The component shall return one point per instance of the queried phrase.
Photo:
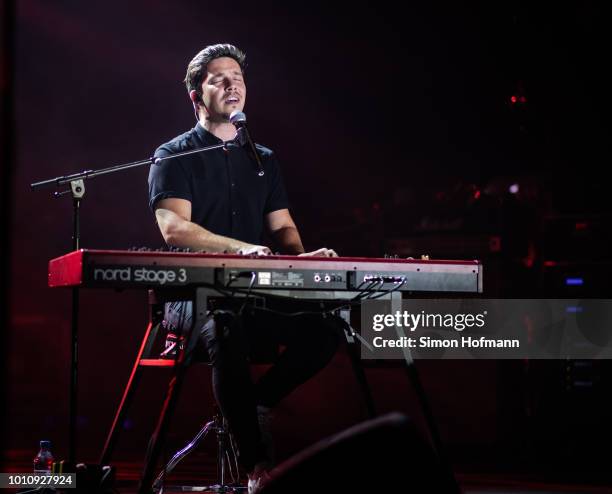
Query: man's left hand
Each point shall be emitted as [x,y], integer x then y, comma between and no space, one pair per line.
[323,252]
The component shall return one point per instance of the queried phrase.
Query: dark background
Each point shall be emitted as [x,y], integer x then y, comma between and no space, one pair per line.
[397,134]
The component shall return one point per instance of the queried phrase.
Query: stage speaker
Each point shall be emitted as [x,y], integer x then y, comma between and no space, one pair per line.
[383,453]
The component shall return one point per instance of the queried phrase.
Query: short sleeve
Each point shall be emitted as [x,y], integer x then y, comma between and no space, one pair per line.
[277,195]
[168,180]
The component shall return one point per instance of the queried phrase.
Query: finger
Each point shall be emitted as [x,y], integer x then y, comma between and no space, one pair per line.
[332,253]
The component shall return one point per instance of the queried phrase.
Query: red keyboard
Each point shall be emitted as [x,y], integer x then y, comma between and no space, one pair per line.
[152,269]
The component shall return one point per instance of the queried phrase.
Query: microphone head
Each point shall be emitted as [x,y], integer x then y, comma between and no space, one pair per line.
[238,118]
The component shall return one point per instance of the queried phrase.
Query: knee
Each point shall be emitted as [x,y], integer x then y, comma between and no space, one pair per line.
[223,337]
[224,325]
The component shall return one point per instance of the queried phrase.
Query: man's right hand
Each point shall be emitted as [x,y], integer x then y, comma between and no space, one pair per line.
[323,252]
[259,250]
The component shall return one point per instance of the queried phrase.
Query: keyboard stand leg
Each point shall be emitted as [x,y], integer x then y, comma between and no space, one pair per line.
[354,353]
[155,318]
[415,381]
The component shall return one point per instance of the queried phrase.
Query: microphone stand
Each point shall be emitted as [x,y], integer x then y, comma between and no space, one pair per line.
[77,190]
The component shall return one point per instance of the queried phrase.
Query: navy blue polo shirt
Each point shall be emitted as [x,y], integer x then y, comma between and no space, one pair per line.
[227,195]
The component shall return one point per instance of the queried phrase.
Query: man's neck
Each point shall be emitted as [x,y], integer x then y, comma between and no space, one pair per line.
[223,130]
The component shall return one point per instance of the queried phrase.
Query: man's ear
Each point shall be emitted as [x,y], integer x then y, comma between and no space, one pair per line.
[197,102]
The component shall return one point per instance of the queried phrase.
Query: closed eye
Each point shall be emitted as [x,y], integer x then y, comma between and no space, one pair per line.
[215,82]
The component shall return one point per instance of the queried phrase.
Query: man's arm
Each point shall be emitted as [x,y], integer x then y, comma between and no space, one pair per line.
[174,221]
[281,226]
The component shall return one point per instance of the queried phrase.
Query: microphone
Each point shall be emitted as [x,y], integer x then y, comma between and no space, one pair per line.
[238,119]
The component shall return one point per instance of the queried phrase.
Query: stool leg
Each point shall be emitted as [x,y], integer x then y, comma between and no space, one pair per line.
[226,453]
[180,454]
[232,457]
[221,440]
[226,450]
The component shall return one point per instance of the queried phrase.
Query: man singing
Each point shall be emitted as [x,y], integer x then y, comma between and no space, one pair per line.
[217,201]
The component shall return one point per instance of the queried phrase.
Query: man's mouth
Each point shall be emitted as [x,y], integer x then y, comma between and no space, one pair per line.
[232,99]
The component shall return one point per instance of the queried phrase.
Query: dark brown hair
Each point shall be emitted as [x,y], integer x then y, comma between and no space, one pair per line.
[196,70]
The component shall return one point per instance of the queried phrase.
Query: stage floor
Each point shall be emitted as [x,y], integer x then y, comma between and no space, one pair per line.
[200,470]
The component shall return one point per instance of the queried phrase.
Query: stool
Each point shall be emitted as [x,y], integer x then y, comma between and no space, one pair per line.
[227,458]
[226,461]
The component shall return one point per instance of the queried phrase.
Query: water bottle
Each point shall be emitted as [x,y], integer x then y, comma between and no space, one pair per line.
[44,459]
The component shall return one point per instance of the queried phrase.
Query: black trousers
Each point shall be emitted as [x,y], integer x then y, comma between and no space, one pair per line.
[234,338]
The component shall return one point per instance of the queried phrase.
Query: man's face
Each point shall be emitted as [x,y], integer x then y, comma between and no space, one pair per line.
[223,89]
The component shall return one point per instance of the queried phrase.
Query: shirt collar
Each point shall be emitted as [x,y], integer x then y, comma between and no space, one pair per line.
[205,136]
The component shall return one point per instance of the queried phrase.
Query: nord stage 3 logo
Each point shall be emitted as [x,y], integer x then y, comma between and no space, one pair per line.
[149,275]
